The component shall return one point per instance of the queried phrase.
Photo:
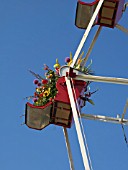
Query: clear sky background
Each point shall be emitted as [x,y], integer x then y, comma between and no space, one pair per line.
[33,33]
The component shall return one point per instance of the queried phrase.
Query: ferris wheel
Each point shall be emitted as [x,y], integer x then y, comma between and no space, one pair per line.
[60,97]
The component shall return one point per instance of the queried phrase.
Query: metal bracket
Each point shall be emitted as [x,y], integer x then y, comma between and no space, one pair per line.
[125,6]
[122,28]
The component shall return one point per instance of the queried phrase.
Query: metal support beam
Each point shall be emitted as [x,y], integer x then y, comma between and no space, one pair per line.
[122,28]
[117,120]
[92,45]
[77,124]
[113,80]
[84,77]
[68,149]
[87,32]
[124,111]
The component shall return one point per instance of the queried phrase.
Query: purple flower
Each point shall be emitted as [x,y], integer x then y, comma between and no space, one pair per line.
[34,99]
[67,60]
[35,81]
[39,84]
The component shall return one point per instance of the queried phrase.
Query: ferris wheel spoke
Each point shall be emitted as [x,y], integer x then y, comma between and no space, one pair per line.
[124,111]
[92,45]
[87,32]
[120,27]
[68,148]
[77,124]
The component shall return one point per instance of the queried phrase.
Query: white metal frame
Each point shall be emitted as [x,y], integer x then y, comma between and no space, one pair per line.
[102,79]
[92,44]
[88,78]
[70,92]
[117,120]
[68,148]
[87,32]
[84,77]
[77,124]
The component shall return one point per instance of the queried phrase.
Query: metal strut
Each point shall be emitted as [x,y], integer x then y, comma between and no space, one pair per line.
[70,91]
[105,119]
[92,44]
[113,80]
[68,149]
[87,32]
[77,124]
[124,111]
[120,27]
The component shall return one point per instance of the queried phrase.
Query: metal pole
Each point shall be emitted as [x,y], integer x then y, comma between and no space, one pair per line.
[77,124]
[125,109]
[92,45]
[122,28]
[113,80]
[105,119]
[87,32]
[68,148]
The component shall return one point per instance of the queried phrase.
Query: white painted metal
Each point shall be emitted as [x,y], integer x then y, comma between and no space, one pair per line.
[92,44]
[77,124]
[87,32]
[125,109]
[82,76]
[68,149]
[105,119]
[113,80]
[65,69]
[82,127]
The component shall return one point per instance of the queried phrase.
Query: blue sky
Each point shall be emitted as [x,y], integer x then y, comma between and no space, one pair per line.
[36,32]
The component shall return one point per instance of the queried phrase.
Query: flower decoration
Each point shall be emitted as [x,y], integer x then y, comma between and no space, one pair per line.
[46,90]
[67,60]
[57,65]
[35,81]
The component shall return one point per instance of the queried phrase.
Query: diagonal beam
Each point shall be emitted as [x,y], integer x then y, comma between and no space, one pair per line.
[125,109]
[87,32]
[68,148]
[92,45]
[120,27]
[77,124]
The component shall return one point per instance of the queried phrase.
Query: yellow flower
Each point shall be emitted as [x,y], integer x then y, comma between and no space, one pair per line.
[36,103]
[57,65]
[46,92]
[38,89]
[49,76]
